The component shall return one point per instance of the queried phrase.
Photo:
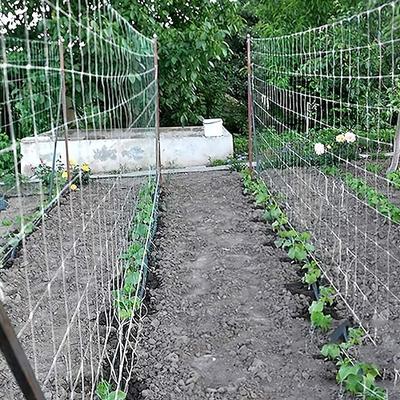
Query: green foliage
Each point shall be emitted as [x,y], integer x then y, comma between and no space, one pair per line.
[59,177]
[394,178]
[126,300]
[331,170]
[7,158]
[6,222]
[276,217]
[319,319]
[331,351]
[275,18]
[297,244]
[217,162]
[359,379]
[374,168]
[373,197]
[292,148]
[240,145]
[193,42]
[313,272]
[105,392]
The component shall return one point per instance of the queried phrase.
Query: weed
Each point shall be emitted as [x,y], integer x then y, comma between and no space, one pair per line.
[6,222]
[394,178]
[216,162]
[374,168]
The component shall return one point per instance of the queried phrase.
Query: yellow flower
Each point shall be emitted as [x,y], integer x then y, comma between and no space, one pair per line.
[65,175]
[72,163]
[73,187]
[340,138]
[85,167]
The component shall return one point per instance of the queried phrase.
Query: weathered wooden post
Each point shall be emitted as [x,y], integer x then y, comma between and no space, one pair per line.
[64,106]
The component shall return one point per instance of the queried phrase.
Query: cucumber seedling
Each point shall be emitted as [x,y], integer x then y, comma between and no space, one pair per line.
[105,392]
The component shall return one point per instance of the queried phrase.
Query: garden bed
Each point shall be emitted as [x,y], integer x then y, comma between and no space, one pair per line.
[65,274]
[223,323]
[359,250]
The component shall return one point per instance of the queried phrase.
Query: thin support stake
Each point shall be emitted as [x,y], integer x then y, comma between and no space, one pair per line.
[64,107]
[16,359]
[249,105]
[157,114]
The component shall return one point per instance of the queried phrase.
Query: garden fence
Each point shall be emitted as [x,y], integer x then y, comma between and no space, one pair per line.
[326,109]
[74,70]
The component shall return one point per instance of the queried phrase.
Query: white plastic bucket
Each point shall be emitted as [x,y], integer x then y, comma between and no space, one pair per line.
[213,127]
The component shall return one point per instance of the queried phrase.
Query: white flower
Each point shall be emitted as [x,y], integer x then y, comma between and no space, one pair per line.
[319,148]
[350,137]
[82,44]
[340,138]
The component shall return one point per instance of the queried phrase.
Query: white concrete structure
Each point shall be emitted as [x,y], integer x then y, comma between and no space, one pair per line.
[133,150]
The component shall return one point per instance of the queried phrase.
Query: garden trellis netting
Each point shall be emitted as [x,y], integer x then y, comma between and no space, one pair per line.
[73,248]
[326,109]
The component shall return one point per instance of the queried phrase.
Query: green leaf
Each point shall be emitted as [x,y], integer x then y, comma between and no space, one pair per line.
[117,395]
[103,389]
[331,351]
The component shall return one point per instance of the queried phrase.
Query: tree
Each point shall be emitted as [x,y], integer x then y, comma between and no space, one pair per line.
[193,39]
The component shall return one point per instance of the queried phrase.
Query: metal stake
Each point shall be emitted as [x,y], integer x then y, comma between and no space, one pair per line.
[16,359]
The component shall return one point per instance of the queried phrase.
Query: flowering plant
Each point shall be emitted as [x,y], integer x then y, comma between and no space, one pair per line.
[341,146]
[45,173]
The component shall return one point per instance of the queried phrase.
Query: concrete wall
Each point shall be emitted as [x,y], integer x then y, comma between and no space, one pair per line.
[133,150]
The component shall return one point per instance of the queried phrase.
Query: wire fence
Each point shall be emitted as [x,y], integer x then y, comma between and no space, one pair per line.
[74,249]
[326,117]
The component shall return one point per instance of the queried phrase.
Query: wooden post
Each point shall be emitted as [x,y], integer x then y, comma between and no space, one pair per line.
[249,105]
[64,106]
[157,111]
[16,359]
[396,149]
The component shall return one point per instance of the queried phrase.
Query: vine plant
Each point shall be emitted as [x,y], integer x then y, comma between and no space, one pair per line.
[356,377]
[363,191]
[127,300]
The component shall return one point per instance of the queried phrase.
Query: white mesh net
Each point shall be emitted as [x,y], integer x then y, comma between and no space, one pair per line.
[78,94]
[326,112]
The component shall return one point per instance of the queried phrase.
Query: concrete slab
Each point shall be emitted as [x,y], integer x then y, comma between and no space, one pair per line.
[129,150]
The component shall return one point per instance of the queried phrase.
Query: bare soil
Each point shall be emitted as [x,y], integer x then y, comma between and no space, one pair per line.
[223,324]
[359,250]
[63,276]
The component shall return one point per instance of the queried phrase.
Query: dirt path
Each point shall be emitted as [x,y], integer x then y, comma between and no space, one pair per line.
[222,325]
